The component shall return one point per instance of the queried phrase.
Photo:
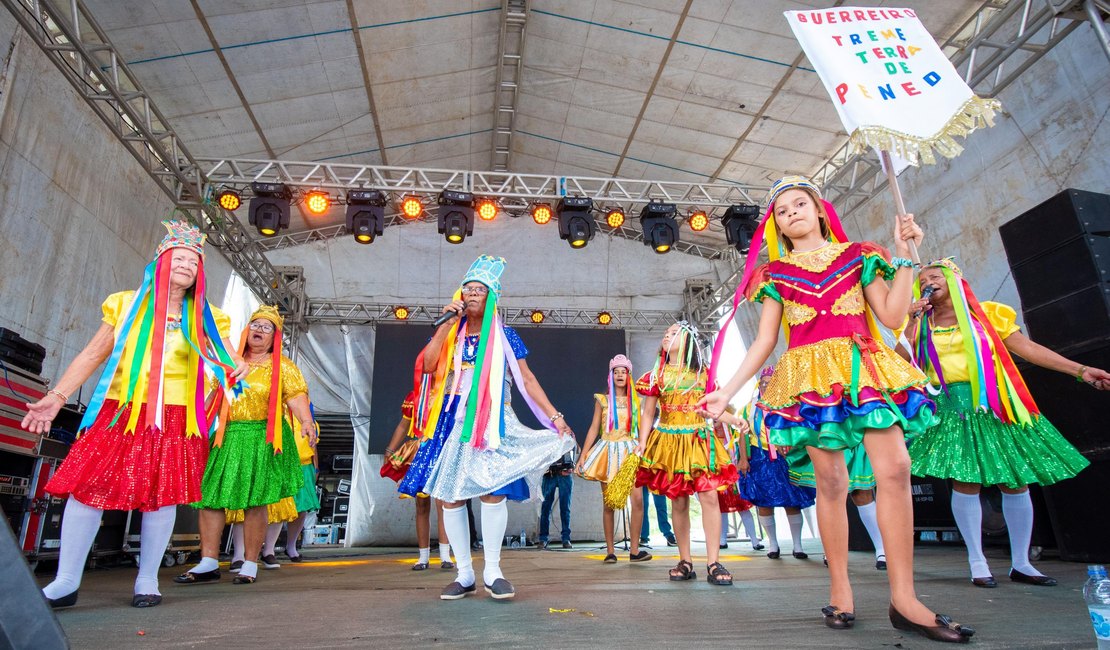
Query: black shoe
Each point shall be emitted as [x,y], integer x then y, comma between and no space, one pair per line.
[236,566]
[671,541]
[146,600]
[880,563]
[644,541]
[946,630]
[724,546]
[446,565]
[837,619]
[294,558]
[987,583]
[567,544]
[611,559]
[194,577]
[642,556]
[1040,581]
[68,600]
[501,589]
[243,580]
[270,562]
[758,547]
[774,555]
[420,566]
[799,555]
[455,591]
[475,546]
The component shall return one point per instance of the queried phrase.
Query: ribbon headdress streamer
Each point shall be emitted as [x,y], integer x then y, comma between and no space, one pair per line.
[274,409]
[995,380]
[633,412]
[140,338]
[484,423]
[768,231]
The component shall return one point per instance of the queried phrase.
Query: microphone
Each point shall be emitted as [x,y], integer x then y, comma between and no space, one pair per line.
[925,293]
[446,316]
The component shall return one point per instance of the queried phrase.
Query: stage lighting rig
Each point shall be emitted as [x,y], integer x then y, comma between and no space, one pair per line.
[229,199]
[269,209]
[411,207]
[740,222]
[365,214]
[698,220]
[660,228]
[317,202]
[604,318]
[456,215]
[615,218]
[576,224]
[541,213]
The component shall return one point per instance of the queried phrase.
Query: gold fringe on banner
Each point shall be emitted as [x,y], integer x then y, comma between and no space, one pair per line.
[621,485]
[976,112]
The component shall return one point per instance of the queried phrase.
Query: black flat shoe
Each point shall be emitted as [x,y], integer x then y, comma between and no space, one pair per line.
[987,583]
[798,555]
[642,556]
[774,555]
[243,580]
[837,619]
[946,630]
[420,566]
[68,600]
[610,559]
[146,600]
[446,565]
[880,563]
[1040,581]
[192,577]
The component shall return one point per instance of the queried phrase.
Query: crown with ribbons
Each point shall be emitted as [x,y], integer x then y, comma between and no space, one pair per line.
[487,269]
[182,234]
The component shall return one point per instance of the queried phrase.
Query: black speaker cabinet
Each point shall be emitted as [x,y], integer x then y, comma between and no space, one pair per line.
[1081,526]
[1068,215]
[1078,411]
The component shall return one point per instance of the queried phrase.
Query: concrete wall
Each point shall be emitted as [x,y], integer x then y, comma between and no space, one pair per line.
[79,218]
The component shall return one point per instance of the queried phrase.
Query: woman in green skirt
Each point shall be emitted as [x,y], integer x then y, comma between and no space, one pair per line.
[990,431]
[254,460]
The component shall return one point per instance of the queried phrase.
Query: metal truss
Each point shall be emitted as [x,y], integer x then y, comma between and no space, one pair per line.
[510,55]
[74,42]
[990,50]
[368,313]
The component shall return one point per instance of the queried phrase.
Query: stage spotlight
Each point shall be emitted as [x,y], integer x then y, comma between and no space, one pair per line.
[487,209]
[456,215]
[411,207]
[401,312]
[615,218]
[317,202]
[740,222]
[604,318]
[229,199]
[698,221]
[365,214]
[576,224]
[269,209]
[541,213]
[537,316]
[660,228]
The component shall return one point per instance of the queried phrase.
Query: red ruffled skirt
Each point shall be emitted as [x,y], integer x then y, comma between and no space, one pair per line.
[731,501]
[112,470]
[680,464]
[397,465]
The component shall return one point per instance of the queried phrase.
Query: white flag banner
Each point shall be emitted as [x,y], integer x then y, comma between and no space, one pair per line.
[890,82]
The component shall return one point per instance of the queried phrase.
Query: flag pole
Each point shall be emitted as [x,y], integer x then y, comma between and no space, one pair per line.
[899,205]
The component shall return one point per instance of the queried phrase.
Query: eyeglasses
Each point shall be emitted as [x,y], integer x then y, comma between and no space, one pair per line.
[476,289]
[262,327]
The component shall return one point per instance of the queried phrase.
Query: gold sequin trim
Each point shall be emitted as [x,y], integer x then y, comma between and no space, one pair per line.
[797,313]
[976,112]
[850,303]
[816,260]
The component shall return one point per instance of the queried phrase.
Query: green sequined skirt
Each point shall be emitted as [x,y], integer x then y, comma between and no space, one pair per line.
[860,474]
[246,473]
[976,447]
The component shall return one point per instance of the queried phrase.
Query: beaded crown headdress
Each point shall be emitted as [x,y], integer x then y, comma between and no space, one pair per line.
[182,234]
[487,269]
[270,313]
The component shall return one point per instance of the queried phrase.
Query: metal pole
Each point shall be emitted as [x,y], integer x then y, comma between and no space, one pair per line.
[1096,22]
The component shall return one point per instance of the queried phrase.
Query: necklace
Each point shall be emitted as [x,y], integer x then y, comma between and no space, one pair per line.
[470,348]
[173,322]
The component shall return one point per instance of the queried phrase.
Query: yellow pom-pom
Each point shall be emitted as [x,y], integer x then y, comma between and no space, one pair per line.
[621,485]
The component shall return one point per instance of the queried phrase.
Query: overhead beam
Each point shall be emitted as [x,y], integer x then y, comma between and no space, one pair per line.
[510,67]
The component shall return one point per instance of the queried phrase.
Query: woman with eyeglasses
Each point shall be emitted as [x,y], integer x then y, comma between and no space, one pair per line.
[254,460]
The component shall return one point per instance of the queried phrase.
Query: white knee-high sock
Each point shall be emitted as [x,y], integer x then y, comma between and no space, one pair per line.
[273,531]
[796,530]
[80,523]
[238,543]
[1018,511]
[768,523]
[154,537]
[444,552]
[724,528]
[867,513]
[495,517]
[458,529]
[423,555]
[969,520]
[749,527]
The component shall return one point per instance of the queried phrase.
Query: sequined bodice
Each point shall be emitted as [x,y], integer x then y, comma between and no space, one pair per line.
[679,393]
[822,292]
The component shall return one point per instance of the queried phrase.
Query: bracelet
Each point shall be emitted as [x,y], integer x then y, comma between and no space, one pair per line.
[901,262]
[1079,375]
[59,394]
[555,417]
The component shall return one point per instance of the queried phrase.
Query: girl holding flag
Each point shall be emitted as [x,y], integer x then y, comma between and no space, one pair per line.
[837,385]
[990,431]
[617,414]
[144,442]
[478,447]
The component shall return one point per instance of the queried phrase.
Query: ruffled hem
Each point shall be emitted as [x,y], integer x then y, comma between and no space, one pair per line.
[306,498]
[842,425]
[860,474]
[674,486]
[976,447]
[767,484]
[276,513]
[246,473]
[395,473]
[731,501]
[109,469]
[605,459]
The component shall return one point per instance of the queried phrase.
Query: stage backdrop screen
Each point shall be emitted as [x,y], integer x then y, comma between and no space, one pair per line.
[570,364]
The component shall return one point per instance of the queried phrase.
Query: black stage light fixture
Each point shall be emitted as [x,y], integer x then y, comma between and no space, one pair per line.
[740,222]
[456,215]
[365,214]
[660,228]
[269,209]
[576,224]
